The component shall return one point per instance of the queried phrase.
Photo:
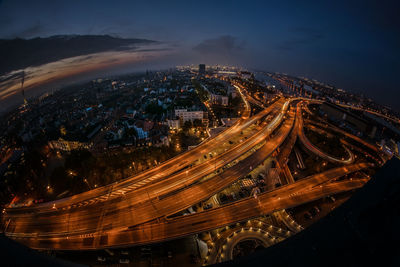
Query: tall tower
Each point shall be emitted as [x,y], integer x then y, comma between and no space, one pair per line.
[23,95]
[202,69]
[22,87]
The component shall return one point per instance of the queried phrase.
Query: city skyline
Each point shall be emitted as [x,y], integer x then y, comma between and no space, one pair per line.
[199,133]
[129,169]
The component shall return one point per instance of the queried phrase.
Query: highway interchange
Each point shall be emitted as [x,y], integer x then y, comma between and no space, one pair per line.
[138,210]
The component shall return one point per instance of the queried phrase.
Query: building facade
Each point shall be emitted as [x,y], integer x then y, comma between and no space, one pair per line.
[65,145]
[189,115]
[219,99]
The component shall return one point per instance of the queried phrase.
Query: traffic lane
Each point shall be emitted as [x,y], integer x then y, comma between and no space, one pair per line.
[289,143]
[319,152]
[166,168]
[195,223]
[88,221]
[146,194]
[318,179]
[149,210]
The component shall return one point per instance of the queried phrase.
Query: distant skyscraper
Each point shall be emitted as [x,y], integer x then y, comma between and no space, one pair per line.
[202,68]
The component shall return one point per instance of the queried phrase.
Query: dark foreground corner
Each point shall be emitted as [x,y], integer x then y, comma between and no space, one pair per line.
[15,254]
[364,231]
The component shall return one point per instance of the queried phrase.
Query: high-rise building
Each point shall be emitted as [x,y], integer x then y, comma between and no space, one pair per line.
[202,68]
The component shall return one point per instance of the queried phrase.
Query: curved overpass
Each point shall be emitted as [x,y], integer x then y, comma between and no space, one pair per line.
[312,148]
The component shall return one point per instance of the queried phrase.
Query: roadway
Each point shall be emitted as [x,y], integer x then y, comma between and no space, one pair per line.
[287,147]
[325,125]
[312,148]
[137,210]
[169,167]
[303,191]
[129,211]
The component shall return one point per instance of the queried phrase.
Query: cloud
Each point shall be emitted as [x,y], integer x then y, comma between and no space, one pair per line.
[225,44]
[32,31]
[301,36]
[80,68]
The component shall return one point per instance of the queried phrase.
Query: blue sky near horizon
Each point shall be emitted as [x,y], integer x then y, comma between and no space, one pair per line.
[350,44]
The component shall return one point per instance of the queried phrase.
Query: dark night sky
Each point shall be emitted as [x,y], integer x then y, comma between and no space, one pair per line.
[351,44]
